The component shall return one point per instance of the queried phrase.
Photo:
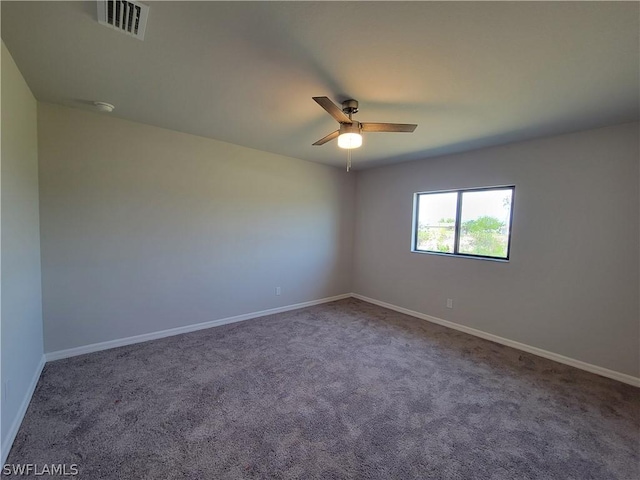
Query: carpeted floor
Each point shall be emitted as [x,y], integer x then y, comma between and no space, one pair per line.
[341,390]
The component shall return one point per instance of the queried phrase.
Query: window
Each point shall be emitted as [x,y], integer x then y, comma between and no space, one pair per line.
[472,222]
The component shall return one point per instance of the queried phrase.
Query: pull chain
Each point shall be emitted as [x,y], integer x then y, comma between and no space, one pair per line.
[349,150]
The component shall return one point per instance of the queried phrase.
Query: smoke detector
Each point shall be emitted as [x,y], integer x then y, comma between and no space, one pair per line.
[104,107]
[129,17]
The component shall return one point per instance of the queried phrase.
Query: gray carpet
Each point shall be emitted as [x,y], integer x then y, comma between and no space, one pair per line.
[342,390]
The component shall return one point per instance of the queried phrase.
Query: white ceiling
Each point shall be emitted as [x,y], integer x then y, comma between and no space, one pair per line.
[469,74]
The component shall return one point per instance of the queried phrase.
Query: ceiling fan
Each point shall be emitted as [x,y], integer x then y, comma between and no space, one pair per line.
[350,132]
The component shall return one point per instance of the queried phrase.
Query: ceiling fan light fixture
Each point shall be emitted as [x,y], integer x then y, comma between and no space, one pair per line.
[350,140]
[350,136]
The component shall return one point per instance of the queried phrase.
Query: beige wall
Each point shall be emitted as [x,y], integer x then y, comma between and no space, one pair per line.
[571,286]
[145,229]
[21,310]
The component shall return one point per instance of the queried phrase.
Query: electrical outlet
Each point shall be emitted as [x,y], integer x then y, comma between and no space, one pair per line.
[278,291]
[449,303]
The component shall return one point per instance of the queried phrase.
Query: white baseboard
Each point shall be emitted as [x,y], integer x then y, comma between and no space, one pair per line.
[121,342]
[96,347]
[605,372]
[17,421]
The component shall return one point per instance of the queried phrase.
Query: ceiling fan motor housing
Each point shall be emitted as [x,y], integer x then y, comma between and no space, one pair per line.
[350,128]
[350,106]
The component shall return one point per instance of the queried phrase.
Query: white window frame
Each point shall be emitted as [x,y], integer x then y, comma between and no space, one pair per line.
[457,224]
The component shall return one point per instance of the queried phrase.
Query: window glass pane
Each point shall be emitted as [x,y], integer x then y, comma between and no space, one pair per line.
[436,222]
[485,223]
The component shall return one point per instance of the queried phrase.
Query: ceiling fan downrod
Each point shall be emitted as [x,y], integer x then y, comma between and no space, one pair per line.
[350,107]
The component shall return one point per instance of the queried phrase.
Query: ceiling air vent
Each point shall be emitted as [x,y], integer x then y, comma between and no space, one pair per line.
[125,16]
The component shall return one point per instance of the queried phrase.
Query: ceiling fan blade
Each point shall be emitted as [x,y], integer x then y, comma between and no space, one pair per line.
[388,127]
[328,138]
[332,109]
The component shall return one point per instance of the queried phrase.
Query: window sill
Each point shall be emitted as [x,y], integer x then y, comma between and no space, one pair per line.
[457,255]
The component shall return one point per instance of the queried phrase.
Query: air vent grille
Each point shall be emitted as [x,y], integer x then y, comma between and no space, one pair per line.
[125,16]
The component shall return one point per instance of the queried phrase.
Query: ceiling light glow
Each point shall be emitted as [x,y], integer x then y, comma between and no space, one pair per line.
[350,135]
